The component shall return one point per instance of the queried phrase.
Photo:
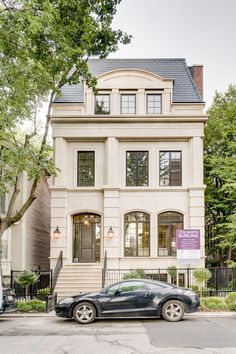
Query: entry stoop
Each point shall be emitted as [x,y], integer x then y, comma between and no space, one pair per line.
[77,278]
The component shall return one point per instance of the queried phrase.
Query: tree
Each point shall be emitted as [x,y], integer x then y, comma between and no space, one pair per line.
[44,44]
[220,176]
[27,278]
[201,276]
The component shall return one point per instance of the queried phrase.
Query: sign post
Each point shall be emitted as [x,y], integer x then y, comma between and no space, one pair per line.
[188,245]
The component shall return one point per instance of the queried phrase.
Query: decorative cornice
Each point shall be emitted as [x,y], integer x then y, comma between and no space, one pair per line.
[131,119]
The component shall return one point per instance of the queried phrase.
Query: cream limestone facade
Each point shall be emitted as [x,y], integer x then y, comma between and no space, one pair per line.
[75,127]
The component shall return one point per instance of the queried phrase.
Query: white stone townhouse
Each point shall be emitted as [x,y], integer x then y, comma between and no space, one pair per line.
[131,168]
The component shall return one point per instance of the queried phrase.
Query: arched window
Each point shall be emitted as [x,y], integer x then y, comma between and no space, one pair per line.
[137,231]
[168,223]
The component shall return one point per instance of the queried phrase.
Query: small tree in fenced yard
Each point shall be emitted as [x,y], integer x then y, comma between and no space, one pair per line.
[172,271]
[201,275]
[25,279]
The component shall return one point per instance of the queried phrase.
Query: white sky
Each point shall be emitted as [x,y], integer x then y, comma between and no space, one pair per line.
[202,31]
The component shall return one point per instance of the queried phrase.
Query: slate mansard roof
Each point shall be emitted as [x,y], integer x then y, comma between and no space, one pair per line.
[184,88]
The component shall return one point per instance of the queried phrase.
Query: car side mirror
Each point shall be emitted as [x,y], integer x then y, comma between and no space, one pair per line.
[118,292]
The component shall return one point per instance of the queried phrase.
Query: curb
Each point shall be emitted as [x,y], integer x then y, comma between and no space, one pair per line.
[191,315]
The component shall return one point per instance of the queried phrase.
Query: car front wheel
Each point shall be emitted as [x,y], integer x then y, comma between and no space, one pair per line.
[173,311]
[84,313]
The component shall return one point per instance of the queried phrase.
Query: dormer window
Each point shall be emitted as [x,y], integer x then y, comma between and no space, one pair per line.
[102,104]
[128,104]
[153,104]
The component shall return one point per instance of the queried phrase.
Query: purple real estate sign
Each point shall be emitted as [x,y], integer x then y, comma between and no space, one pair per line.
[188,244]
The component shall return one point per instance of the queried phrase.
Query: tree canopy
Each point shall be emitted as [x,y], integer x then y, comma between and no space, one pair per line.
[44,44]
[220,176]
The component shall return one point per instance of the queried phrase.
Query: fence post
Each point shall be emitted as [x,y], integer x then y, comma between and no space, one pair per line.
[188,282]
[217,278]
[51,280]
[11,278]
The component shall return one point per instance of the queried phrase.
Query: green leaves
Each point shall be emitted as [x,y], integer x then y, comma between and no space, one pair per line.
[220,173]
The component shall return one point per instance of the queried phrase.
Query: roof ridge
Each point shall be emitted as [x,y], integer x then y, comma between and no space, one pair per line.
[138,59]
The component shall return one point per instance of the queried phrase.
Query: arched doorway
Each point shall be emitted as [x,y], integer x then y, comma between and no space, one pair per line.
[86,238]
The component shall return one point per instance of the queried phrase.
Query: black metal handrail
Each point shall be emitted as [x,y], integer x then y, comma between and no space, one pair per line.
[104,269]
[57,269]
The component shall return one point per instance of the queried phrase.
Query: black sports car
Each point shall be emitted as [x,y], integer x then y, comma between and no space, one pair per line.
[130,298]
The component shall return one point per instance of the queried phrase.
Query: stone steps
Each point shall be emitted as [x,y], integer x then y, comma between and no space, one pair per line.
[75,279]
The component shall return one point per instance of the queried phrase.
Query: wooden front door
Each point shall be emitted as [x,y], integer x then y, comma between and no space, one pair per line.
[87,243]
[84,243]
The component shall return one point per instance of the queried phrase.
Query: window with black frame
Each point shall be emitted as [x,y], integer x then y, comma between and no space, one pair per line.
[168,223]
[128,104]
[102,104]
[170,168]
[153,104]
[137,234]
[137,168]
[86,169]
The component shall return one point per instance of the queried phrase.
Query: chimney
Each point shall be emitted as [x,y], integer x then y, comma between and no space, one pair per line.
[197,74]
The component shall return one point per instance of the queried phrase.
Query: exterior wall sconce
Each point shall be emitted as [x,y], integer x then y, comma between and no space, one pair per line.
[110,233]
[56,233]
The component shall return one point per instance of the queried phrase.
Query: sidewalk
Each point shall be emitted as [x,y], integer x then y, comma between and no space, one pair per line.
[190,315]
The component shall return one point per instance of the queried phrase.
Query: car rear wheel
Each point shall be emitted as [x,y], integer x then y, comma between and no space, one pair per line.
[173,311]
[84,313]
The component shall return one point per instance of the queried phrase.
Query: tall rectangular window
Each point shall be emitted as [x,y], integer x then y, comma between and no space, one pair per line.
[102,104]
[153,104]
[170,168]
[86,168]
[128,104]
[137,168]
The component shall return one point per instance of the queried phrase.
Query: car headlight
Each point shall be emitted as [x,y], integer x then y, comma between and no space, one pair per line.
[67,300]
[191,294]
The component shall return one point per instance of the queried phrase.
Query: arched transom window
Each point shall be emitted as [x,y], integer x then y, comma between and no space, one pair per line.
[137,234]
[168,223]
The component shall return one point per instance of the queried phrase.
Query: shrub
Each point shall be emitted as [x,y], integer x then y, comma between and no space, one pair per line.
[42,293]
[232,284]
[31,305]
[214,303]
[205,291]
[231,301]
[135,274]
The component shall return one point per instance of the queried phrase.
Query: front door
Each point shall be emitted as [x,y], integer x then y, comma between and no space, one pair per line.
[86,238]
[87,243]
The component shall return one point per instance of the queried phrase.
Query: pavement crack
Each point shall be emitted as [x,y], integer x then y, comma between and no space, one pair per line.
[116,343]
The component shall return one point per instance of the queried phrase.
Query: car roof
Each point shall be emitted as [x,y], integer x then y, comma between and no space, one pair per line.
[151,281]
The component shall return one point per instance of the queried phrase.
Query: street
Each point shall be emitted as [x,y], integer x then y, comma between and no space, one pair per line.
[48,335]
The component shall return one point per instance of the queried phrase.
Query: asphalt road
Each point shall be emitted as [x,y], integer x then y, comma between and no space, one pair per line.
[44,335]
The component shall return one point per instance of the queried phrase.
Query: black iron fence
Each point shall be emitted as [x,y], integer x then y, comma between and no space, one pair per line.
[222,282]
[34,291]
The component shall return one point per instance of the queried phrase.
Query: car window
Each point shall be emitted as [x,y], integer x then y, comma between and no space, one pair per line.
[130,286]
[112,289]
[152,286]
